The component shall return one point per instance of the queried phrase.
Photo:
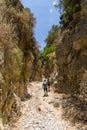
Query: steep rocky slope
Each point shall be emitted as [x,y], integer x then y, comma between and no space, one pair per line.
[71,53]
[18,54]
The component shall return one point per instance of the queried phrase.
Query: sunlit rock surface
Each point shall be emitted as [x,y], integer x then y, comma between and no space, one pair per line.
[71,53]
[18,53]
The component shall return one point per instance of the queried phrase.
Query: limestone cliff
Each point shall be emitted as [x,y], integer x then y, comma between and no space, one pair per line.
[71,53]
[18,53]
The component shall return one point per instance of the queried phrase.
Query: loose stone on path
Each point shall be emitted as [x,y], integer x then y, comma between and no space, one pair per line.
[39,114]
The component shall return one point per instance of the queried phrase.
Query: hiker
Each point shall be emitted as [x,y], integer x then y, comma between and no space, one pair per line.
[45,86]
[48,82]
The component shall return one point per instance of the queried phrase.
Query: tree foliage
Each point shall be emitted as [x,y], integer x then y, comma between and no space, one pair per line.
[47,50]
[69,8]
[50,42]
[52,35]
[18,38]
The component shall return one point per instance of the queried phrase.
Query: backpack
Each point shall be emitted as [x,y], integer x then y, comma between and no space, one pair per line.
[45,84]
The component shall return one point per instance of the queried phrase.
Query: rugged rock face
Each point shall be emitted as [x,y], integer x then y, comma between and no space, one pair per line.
[71,53]
[18,53]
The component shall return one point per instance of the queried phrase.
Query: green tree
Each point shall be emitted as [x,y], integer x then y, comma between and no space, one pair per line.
[52,35]
[51,41]
[69,8]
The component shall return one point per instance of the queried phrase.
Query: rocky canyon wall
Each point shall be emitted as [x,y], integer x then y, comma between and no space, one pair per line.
[71,53]
[18,53]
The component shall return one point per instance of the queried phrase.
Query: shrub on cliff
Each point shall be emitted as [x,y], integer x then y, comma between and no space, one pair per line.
[13,58]
[69,8]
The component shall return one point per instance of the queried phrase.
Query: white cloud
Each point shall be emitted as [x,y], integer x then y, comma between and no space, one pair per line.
[54,3]
[51,10]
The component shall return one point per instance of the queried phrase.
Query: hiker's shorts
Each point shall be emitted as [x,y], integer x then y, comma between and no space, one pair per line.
[45,88]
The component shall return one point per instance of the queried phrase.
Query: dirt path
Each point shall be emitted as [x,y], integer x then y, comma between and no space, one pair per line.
[41,113]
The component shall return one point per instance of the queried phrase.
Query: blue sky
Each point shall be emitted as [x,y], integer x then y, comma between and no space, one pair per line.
[46,15]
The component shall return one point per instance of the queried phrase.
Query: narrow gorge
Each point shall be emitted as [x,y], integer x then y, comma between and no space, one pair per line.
[22,66]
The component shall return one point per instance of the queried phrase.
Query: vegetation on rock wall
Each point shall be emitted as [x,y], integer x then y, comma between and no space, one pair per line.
[71,54]
[68,9]
[18,54]
[19,61]
[48,53]
[22,23]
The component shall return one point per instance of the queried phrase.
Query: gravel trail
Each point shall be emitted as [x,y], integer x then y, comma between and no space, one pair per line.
[41,113]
